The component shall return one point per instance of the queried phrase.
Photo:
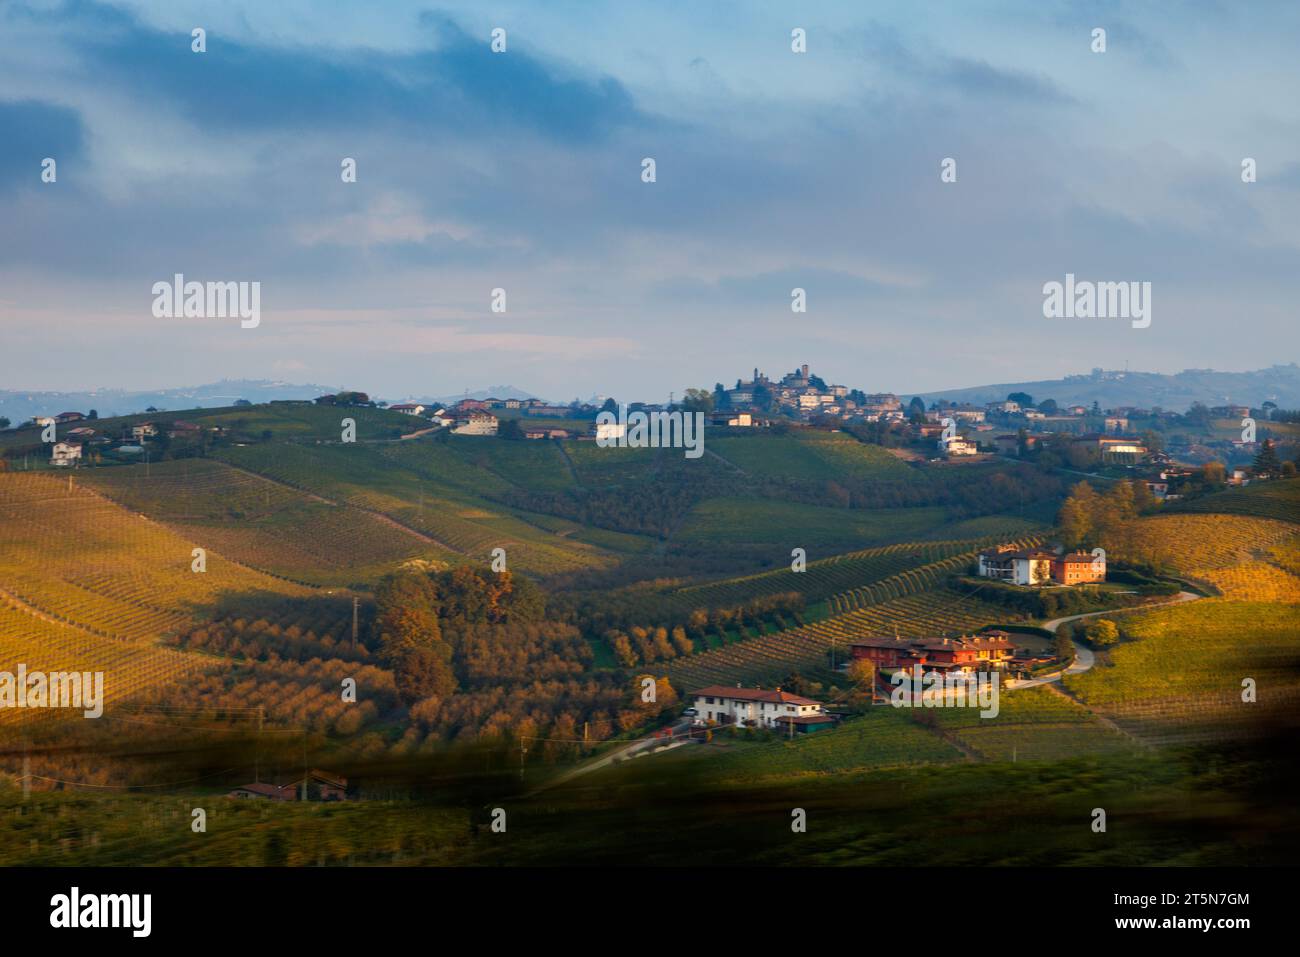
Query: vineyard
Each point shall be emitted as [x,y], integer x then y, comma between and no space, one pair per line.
[816,528]
[48,646]
[77,557]
[810,456]
[1189,543]
[845,579]
[1277,499]
[765,658]
[261,523]
[1180,678]
[1033,724]
[458,527]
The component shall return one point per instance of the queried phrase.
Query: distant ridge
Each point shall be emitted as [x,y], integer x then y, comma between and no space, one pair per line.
[1279,383]
[20,405]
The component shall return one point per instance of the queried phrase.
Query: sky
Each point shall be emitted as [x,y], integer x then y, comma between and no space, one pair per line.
[522,171]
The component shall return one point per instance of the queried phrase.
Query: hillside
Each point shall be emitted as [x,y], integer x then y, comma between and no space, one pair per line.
[1279,383]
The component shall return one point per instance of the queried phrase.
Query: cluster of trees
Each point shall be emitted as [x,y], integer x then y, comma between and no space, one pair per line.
[646,645]
[630,613]
[967,493]
[1089,518]
[423,621]
[1097,632]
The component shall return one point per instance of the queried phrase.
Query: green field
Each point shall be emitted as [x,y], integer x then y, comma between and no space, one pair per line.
[809,455]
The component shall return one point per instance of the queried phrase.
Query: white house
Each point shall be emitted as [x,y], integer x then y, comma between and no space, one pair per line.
[476,423]
[143,431]
[610,431]
[65,454]
[751,707]
[1030,566]
[959,446]
[407,408]
[734,419]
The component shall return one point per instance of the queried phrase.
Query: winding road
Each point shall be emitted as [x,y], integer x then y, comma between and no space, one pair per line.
[1084,658]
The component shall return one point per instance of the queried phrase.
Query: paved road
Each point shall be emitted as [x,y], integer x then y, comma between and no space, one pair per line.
[1084,659]
[678,727]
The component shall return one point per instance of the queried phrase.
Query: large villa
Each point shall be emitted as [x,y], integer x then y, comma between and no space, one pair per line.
[1041,566]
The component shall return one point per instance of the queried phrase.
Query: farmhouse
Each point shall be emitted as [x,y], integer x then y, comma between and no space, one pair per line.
[321,786]
[181,430]
[1114,448]
[1079,568]
[958,446]
[143,431]
[65,454]
[1025,566]
[476,423]
[407,408]
[733,419]
[980,652]
[754,707]
[1041,566]
[69,417]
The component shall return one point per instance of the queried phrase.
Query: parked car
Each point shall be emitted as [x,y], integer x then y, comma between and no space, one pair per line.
[690,713]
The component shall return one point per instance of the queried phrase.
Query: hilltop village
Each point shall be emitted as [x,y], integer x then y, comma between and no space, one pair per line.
[1174,453]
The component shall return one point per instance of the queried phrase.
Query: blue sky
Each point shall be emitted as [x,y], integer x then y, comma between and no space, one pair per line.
[522,171]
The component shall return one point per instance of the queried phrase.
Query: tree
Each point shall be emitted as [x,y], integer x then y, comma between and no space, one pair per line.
[1266,464]
[862,672]
[421,673]
[1048,407]
[1022,399]
[720,398]
[4,423]
[916,409]
[1198,415]
[1076,517]
[92,414]
[609,405]
[698,400]
[509,429]
[1103,632]
[1213,474]
[408,607]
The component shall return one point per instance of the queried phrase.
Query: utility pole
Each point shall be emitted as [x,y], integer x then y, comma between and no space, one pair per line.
[523,750]
[257,752]
[27,773]
[355,603]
